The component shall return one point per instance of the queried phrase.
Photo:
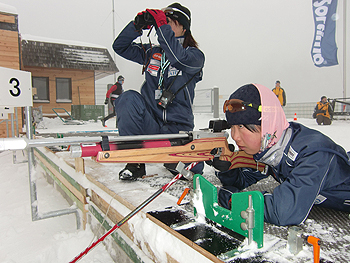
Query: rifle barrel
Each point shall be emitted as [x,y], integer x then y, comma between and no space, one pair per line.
[23,142]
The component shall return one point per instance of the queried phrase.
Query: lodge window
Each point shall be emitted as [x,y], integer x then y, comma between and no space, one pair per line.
[63,90]
[41,84]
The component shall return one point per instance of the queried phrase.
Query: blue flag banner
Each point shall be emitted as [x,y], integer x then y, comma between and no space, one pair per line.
[324,49]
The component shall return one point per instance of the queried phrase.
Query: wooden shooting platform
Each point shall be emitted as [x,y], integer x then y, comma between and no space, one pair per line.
[132,242]
[150,236]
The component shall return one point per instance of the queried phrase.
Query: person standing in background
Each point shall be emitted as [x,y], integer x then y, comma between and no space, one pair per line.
[280,93]
[111,95]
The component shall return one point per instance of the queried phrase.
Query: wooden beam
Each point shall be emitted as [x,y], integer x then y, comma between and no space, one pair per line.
[110,192]
[9,35]
[69,194]
[10,64]
[65,182]
[7,18]
[112,214]
[79,165]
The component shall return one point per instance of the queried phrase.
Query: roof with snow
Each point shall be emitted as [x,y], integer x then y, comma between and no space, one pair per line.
[8,9]
[6,23]
[51,53]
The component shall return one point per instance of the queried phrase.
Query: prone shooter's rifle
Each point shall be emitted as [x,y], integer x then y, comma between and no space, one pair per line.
[186,147]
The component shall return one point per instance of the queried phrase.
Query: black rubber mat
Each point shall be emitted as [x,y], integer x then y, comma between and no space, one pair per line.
[330,226]
[212,238]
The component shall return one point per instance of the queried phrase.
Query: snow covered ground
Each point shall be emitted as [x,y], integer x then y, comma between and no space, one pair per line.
[57,239]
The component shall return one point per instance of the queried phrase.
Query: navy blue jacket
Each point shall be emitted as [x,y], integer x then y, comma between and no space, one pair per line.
[311,170]
[188,61]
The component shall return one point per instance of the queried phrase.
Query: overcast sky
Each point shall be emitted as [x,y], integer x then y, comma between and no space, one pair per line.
[258,41]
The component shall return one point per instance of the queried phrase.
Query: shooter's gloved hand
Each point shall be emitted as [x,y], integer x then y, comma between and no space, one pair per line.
[159,17]
[225,195]
[106,101]
[143,20]
[218,164]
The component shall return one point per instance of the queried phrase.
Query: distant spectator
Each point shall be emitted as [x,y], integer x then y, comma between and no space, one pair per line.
[280,93]
[323,112]
[111,95]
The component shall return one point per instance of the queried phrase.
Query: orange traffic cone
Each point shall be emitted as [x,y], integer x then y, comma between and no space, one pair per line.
[295,117]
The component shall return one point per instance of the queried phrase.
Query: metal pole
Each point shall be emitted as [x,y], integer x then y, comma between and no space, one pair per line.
[32,182]
[60,213]
[114,75]
[16,118]
[7,128]
[344,50]
[216,108]
[23,143]
[12,125]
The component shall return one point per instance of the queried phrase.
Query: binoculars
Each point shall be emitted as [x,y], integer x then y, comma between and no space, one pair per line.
[143,20]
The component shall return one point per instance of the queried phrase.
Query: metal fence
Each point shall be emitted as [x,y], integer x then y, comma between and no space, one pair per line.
[210,101]
[302,110]
[305,110]
[207,101]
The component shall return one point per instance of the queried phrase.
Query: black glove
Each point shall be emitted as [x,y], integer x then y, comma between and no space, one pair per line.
[143,20]
[218,164]
[106,101]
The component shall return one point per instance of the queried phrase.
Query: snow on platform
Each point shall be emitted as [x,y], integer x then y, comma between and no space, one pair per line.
[142,237]
[329,225]
[153,241]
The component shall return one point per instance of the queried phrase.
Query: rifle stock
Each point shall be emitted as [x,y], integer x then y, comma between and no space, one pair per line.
[195,151]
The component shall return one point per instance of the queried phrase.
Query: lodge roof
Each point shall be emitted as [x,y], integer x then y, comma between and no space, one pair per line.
[50,53]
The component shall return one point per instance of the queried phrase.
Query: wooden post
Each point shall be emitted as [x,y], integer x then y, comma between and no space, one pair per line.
[79,165]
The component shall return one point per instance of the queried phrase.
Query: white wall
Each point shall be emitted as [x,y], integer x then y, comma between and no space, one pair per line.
[243,40]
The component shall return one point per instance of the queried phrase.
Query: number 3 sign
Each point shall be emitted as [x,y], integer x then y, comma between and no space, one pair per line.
[15,88]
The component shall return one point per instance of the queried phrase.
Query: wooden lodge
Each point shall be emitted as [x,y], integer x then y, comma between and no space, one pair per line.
[63,72]
[10,54]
